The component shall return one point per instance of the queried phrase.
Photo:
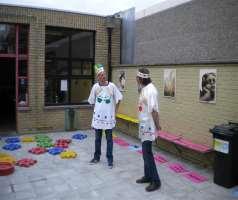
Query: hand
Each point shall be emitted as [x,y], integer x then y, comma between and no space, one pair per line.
[159,128]
[157,133]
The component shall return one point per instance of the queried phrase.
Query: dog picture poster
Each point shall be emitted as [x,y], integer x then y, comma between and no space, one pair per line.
[169,82]
[207,85]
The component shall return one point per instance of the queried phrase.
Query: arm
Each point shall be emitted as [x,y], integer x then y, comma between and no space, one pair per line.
[117,106]
[117,97]
[155,116]
[92,96]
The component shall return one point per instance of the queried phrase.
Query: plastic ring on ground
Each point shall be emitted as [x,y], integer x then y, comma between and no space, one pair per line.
[6,168]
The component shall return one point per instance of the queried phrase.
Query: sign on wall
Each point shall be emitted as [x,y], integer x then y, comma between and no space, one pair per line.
[169,82]
[207,85]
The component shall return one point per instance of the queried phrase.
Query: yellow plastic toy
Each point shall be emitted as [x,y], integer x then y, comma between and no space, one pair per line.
[4,157]
[28,139]
[68,154]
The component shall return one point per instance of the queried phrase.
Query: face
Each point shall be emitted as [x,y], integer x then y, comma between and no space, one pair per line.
[101,77]
[210,82]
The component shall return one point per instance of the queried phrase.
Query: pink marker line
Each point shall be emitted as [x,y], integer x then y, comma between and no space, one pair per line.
[160,159]
[195,177]
[120,142]
[177,168]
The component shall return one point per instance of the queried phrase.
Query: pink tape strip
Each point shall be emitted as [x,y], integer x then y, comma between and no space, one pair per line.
[121,142]
[139,151]
[160,159]
[177,168]
[195,177]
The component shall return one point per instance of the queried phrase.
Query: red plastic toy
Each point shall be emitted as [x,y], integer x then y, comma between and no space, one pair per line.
[26,162]
[64,140]
[63,143]
[6,168]
[37,150]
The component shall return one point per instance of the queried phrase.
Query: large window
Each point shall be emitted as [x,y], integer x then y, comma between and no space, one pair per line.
[69,59]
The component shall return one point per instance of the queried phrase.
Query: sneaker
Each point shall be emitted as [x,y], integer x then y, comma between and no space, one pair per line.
[93,161]
[153,186]
[110,165]
[143,180]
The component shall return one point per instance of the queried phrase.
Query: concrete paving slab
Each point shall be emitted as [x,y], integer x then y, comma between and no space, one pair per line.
[65,179]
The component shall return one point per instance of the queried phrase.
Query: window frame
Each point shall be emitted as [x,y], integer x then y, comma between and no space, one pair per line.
[19,57]
[69,60]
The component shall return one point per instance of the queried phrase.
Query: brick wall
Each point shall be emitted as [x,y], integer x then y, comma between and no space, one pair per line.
[185,114]
[37,117]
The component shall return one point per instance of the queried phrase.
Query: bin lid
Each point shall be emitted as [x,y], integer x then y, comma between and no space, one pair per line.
[226,129]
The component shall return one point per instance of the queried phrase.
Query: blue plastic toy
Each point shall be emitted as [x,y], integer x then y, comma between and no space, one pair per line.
[12,140]
[79,136]
[55,150]
[11,146]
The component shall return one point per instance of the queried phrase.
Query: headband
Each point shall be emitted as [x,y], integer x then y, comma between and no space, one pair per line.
[98,68]
[142,75]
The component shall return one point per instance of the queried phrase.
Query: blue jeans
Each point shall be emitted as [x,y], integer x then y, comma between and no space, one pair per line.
[150,169]
[98,140]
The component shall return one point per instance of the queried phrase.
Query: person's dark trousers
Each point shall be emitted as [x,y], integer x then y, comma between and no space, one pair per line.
[150,169]
[98,140]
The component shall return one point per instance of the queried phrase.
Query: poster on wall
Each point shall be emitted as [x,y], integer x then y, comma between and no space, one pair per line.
[63,85]
[121,80]
[169,82]
[207,85]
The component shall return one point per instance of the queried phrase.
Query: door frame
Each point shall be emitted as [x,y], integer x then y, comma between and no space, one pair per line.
[18,57]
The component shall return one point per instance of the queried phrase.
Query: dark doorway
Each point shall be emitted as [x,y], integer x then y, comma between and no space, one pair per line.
[7,95]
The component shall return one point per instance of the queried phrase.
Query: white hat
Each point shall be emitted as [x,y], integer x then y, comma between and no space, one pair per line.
[98,68]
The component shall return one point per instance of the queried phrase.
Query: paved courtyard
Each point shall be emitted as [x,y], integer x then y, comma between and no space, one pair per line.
[53,178]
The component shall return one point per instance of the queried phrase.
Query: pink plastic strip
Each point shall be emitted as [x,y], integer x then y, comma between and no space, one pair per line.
[177,168]
[160,158]
[195,177]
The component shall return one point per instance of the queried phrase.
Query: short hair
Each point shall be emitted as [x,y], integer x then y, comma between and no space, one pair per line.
[144,81]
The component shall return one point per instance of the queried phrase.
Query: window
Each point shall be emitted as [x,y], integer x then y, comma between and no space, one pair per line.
[7,39]
[69,60]
[23,39]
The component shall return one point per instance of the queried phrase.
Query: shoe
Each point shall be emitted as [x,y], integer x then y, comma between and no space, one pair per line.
[110,165]
[143,180]
[153,186]
[93,161]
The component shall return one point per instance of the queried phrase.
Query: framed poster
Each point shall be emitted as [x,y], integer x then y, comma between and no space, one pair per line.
[207,85]
[169,82]
[121,80]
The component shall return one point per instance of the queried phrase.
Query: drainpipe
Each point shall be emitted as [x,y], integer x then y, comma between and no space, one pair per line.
[110,24]
[109,53]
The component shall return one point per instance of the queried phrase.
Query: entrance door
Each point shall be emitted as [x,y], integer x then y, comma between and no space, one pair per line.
[13,73]
[7,95]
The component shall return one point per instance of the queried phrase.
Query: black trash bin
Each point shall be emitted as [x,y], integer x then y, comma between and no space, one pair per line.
[226,154]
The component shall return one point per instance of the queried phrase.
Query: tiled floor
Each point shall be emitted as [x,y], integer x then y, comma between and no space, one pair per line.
[53,178]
